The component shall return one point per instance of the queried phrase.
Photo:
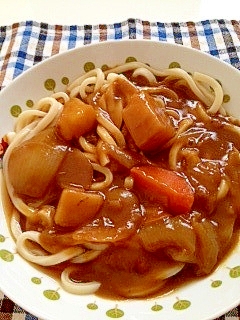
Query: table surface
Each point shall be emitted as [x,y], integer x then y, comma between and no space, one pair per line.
[96,11]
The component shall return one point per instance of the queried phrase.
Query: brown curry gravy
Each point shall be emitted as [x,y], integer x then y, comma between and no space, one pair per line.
[111,279]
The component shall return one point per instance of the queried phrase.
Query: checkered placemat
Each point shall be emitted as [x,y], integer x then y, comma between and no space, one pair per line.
[26,43]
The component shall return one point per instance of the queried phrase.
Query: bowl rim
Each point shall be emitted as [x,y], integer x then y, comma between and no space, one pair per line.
[106,44]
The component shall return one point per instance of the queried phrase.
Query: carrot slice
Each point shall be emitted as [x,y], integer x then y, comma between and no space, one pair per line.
[165,186]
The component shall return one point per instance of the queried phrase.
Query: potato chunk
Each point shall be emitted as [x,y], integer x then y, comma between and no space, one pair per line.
[76,207]
[148,124]
[76,119]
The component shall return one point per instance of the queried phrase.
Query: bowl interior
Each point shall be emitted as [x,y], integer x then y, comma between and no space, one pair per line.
[41,295]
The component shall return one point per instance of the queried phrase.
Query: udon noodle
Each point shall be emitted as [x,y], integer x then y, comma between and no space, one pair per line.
[126,180]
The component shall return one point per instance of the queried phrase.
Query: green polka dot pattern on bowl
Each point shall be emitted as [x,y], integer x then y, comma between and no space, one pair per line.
[15,110]
[6,255]
[88,66]
[50,84]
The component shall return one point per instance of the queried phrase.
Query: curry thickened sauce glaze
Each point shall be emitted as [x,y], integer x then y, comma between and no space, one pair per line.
[179,218]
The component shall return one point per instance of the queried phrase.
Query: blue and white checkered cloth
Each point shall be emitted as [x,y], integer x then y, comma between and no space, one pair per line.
[25,44]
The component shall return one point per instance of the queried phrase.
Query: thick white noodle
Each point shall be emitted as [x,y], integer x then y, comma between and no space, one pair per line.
[48,108]
[81,288]
[86,256]
[181,74]
[15,225]
[216,87]
[112,129]
[60,95]
[172,158]
[223,189]
[144,73]
[87,146]
[53,109]
[103,158]
[108,177]
[105,135]
[84,88]
[43,260]
[167,270]
[97,77]
[17,202]
[27,117]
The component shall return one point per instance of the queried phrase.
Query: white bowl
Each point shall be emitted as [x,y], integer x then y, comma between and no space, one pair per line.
[203,299]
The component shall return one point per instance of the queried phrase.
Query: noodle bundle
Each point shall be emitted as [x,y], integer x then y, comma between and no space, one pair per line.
[126,181]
